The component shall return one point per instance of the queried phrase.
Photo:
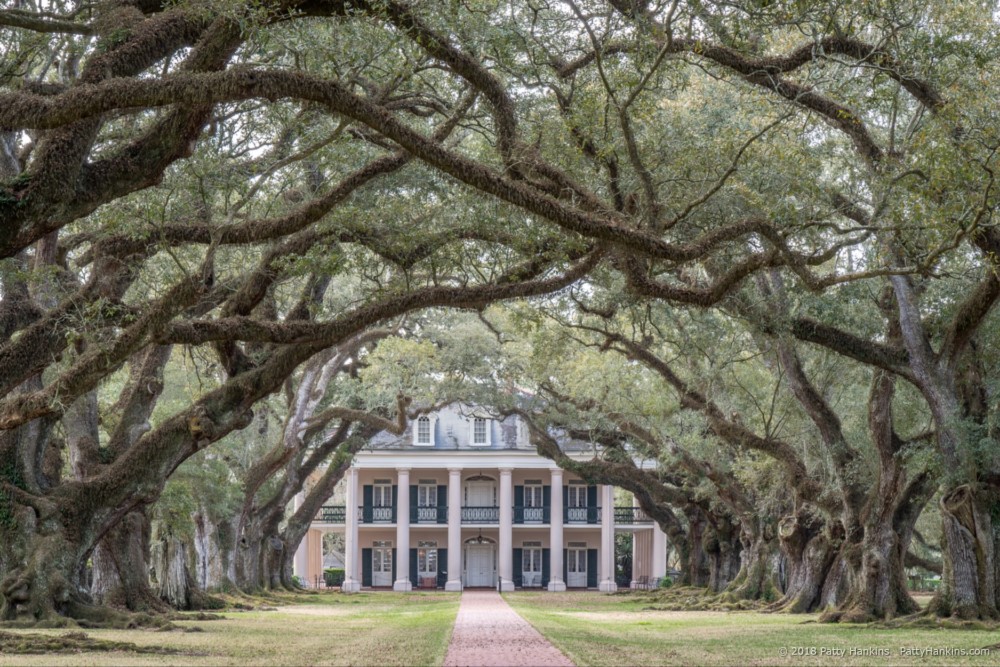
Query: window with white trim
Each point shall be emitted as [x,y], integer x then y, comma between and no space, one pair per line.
[424,431]
[480,431]
[382,493]
[427,558]
[577,494]
[427,492]
[533,493]
[531,558]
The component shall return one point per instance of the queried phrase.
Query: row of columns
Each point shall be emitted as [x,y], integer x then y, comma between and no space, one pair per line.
[352,580]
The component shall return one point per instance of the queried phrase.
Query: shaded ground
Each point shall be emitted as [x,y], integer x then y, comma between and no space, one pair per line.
[596,629]
[488,632]
[324,629]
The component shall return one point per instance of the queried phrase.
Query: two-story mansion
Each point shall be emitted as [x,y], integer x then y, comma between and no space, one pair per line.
[462,499]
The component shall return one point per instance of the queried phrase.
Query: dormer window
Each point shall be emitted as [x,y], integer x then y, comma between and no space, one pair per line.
[480,432]
[423,432]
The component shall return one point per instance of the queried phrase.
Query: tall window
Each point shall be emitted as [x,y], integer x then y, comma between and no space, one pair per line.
[531,563]
[382,556]
[423,431]
[427,493]
[533,493]
[479,431]
[427,558]
[382,493]
[577,494]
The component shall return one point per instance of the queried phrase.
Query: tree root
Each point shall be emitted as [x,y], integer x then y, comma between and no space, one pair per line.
[688,598]
[71,642]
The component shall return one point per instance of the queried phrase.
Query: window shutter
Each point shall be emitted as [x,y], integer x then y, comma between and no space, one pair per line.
[368,494]
[393,577]
[592,504]
[366,567]
[413,503]
[442,504]
[565,504]
[518,567]
[395,502]
[518,504]
[566,566]
[546,567]
[591,568]
[413,567]
[442,564]
[546,504]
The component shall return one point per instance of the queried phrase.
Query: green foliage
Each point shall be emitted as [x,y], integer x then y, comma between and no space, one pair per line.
[665,582]
[333,576]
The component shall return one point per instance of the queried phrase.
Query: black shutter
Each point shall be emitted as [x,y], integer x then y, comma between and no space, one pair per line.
[366,567]
[546,567]
[442,503]
[591,568]
[442,568]
[368,494]
[393,577]
[413,567]
[565,504]
[413,503]
[518,504]
[546,504]
[592,504]
[566,566]
[395,502]
[518,564]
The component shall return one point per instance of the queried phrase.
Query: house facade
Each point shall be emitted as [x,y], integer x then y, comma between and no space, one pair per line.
[462,499]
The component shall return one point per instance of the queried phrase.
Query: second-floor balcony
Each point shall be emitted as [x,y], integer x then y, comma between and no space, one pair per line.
[631,515]
[438,514]
[480,514]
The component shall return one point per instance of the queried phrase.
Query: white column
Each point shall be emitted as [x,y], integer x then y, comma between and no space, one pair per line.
[506,556]
[352,578]
[454,582]
[556,582]
[301,564]
[659,569]
[638,556]
[606,582]
[402,582]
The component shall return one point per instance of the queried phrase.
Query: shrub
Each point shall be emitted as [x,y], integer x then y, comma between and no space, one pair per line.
[666,582]
[333,576]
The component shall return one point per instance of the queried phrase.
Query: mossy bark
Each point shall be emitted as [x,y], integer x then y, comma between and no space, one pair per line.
[810,548]
[120,568]
[969,580]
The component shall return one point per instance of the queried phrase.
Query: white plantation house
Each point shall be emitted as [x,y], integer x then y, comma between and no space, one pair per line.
[462,499]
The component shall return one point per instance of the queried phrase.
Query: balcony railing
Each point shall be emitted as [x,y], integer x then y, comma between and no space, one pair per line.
[370,514]
[581,514]
[435,514]
[332,514]
[629,515]
[523,514]
[480,515]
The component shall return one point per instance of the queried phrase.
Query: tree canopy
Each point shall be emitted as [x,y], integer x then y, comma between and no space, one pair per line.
[769,222]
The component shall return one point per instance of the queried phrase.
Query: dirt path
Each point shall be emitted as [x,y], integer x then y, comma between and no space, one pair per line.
[489,632]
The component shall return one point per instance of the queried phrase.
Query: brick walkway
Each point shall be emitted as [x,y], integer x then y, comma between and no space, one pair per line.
[488,632]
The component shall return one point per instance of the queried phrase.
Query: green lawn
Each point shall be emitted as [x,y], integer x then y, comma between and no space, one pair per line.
[326,629]
[595,629]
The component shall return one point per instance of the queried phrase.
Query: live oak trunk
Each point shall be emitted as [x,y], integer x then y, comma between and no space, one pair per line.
[810,549]
[969,580]
[722,546]
[757,576]
[120,570]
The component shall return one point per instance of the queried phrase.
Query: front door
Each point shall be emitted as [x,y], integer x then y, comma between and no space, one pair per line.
[576,568]
[382,564]
[480,565]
